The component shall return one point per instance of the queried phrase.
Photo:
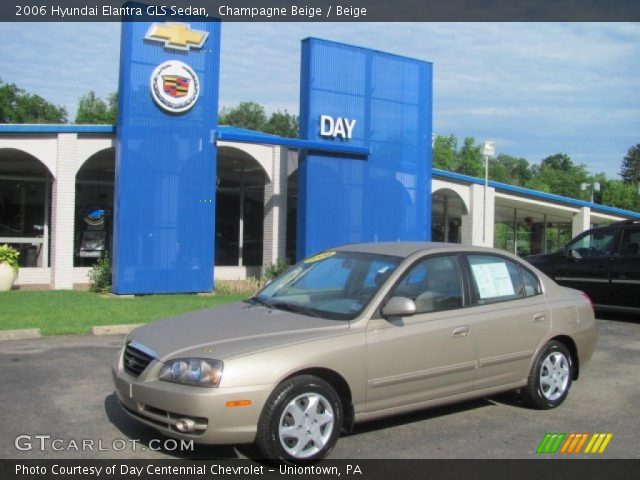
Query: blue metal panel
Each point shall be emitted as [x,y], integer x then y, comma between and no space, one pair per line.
[165,170]
[385,197]
[241,135]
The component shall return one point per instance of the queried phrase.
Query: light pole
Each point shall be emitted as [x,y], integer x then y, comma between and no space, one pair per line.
[594,187]
[488,150]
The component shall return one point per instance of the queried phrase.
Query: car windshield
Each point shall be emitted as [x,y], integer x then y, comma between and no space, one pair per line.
[335,285]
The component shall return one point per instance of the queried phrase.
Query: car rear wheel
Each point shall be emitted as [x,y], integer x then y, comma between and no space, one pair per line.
[301,420]
[550,377]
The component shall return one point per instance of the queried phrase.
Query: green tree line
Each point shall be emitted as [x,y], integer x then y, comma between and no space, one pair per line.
[556,173]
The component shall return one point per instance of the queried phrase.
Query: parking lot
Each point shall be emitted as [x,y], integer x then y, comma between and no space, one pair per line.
[61,386]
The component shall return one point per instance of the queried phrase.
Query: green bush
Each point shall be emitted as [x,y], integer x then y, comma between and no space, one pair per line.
[9,256]
[100,275]
[275,269]
[232,287]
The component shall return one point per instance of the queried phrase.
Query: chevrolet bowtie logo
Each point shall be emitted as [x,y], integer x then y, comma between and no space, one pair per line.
[178,36]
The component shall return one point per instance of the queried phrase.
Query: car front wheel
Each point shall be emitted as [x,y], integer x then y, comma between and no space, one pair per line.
[301,420]
[550,377]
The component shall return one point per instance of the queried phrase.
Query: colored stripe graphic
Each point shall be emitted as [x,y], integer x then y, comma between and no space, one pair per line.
[550,443]
[573,443]
[598,443]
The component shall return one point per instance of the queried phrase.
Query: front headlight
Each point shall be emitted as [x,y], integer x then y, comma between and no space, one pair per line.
[192,371]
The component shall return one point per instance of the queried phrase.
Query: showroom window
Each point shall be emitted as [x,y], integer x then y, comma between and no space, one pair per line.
[25,207]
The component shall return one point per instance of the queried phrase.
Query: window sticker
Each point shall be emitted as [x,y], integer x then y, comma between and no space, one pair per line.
[493,280]
[320,256]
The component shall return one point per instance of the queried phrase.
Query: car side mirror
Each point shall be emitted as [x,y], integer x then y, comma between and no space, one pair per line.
[574,255]
[570,254]
[399,307]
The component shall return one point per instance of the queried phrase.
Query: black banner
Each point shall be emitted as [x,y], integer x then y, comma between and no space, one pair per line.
[531,469]
[324,10]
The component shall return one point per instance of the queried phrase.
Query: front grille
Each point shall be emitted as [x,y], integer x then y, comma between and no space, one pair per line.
[135,360]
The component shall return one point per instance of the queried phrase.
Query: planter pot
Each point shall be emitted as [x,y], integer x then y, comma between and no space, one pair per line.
[7,277]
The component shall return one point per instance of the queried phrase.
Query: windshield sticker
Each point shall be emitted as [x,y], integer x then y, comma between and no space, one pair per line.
[320,256]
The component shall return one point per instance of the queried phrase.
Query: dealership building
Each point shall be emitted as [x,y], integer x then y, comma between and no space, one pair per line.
[178,200]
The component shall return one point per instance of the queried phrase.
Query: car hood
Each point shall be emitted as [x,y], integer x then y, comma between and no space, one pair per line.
[231,330]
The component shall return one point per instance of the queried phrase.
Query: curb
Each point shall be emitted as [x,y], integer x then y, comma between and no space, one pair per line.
[26,334]
[114,329]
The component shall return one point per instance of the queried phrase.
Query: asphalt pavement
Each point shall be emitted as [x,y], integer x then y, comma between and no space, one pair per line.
[59,388]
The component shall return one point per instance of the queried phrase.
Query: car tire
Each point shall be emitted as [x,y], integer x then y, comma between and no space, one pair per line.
[301,421]
[550,377]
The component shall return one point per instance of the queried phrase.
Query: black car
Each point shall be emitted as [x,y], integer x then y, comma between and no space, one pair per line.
[603,262]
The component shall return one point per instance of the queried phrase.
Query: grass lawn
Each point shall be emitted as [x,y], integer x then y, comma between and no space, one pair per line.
[68,312]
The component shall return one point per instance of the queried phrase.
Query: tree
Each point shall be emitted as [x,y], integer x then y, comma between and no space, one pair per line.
[18,106]
[630,169]
[112,102]
[250,115]
[470,160]
[92,109]
[558,174]
[619,194]
[511,170]
[283,124]
[445,154]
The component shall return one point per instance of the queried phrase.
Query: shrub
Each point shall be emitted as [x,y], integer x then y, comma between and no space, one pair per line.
[249,286]
[100,275]
[9,256]
[275,269]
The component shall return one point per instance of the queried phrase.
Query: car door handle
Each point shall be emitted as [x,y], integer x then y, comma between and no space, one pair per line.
[538,317]
[460,332]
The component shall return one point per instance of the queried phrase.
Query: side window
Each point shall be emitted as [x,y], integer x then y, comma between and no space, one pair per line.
[630,245]
[434,284]
[495,279]
[531,283]
[593,244]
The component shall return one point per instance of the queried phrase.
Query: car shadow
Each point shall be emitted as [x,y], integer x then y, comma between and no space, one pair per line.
[144,434]
[421,415]
[617,316]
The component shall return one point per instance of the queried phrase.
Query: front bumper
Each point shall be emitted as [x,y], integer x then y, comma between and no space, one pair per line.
[160,404]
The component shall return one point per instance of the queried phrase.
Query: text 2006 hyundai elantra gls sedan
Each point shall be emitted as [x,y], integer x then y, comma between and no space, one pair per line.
[352,334]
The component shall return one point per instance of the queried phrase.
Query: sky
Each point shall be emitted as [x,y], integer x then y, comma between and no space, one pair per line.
[535,88]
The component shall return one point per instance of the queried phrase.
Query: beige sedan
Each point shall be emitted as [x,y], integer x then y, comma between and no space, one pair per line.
[352,334]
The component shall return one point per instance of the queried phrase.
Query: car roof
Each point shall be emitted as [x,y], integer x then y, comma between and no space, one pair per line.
[405,249]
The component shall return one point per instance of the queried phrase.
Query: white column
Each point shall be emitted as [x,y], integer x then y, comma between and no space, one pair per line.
[475,223]
[275,209]
[581,221]
[63,205]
